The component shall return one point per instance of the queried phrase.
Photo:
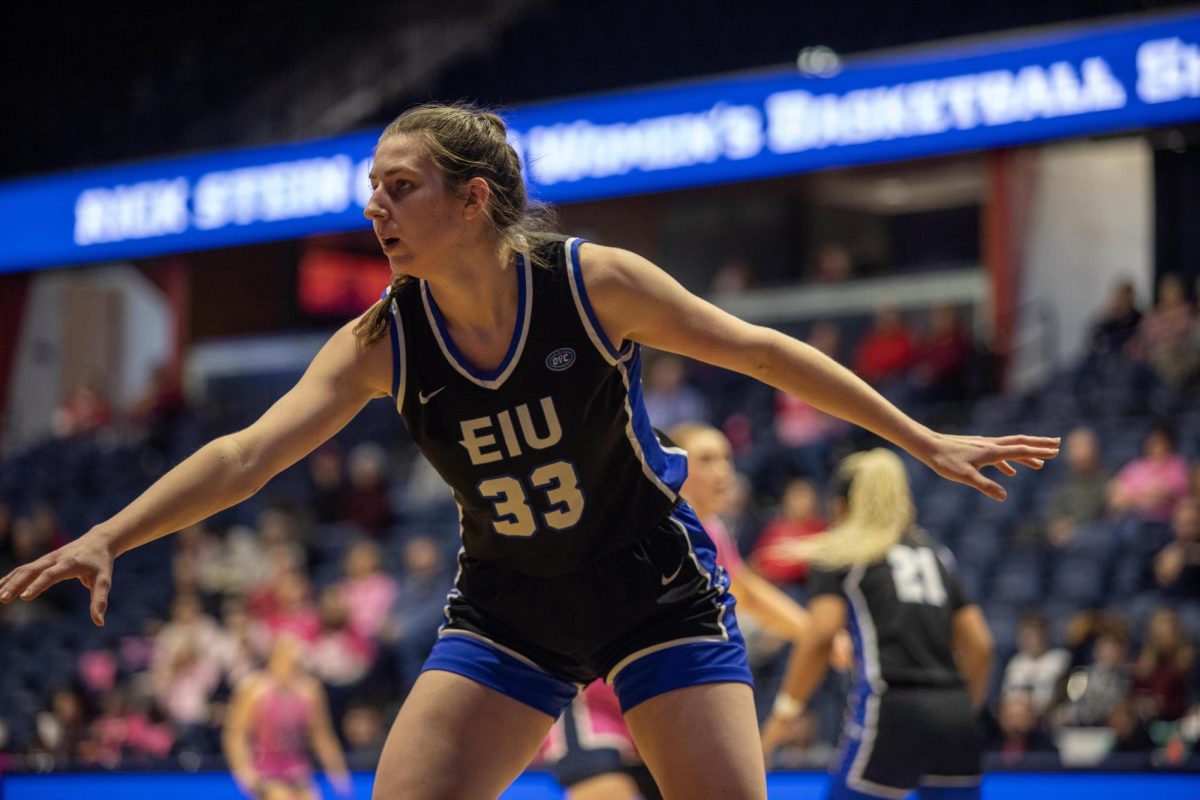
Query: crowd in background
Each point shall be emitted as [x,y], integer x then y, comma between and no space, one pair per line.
[358,562]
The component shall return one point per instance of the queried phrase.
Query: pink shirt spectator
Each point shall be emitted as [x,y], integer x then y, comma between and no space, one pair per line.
[1152,487]
[798,424]
[304,623]
[368,601]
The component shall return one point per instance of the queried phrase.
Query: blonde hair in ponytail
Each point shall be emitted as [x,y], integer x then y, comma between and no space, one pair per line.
[881,511]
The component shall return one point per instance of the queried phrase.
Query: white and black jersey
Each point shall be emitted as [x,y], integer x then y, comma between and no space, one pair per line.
[900,612]
[551,456]
[909,722]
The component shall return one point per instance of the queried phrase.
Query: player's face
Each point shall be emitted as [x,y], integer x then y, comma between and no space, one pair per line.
[411,208]
[710,471]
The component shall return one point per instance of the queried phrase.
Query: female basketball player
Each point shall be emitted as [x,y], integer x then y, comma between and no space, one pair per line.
[273,717]
[917,641]
[514,361]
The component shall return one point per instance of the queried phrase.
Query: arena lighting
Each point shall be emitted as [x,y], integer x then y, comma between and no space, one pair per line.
[819,61]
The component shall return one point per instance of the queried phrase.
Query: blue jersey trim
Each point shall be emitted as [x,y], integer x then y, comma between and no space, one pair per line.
[395,336]
[587,305]
[670,467]
[518,327]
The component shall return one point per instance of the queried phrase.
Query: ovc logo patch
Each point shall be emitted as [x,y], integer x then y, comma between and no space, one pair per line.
[561,359]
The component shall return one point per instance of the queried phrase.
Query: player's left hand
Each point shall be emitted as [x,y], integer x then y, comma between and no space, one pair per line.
[961,458]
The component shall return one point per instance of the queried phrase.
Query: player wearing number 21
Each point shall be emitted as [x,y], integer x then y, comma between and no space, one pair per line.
[513,357]
[922,650]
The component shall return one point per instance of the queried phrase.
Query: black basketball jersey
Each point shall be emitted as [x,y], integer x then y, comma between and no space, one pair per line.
[900,611]
[551,456]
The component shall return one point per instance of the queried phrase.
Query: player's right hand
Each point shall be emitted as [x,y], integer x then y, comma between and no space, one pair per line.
[88,558]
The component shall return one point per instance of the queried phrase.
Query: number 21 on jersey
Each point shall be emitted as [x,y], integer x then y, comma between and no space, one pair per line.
[916,574]
[558,481]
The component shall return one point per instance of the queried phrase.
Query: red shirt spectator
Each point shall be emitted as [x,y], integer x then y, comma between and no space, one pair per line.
[886,351]
[945,353]
[799,517]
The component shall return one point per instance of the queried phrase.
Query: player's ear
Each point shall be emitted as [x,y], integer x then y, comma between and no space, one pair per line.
[476,194]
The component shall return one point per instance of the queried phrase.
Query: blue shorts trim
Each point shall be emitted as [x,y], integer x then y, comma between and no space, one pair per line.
[677,666]
[486,663]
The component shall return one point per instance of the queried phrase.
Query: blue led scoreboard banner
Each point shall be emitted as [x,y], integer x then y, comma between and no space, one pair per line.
[938,100]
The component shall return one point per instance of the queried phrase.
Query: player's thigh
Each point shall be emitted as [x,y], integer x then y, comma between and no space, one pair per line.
[702,742]
[455,739]
[609,786]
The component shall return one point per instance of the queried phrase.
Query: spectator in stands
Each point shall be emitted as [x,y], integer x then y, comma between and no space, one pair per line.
[342,657]
[62,729]
[887,352]
[834,264]
[125,733]
[244,643]
[84,410]
[364,732]
[803,434]
[199,562]
[1119,321]
[1080,497]
[184,686]
[1177,566]
[940,371]
[1094,691]
[190,629]
[1148,487]
[1104,360]
[365,503]
[799,516]
[1162,669]
[733,277]
[412,627]
[1131,741]
[742,516]
[1166,336]
[1019,733]
[669,400]
[1036,668]
[326,483]
[367,590]
[290,608]
[158,409]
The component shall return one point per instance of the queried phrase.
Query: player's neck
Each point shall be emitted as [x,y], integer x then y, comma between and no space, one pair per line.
[477,291]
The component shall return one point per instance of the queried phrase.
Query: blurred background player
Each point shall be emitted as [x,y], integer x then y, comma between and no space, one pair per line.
[274,716]
[923,652]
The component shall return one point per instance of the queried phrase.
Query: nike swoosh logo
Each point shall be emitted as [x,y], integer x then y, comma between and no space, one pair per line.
[668,578]
[425,398]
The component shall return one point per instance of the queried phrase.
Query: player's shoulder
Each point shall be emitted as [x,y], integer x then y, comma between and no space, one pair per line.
[252,687]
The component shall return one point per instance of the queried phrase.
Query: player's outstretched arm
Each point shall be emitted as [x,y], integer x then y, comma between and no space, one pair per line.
[636,300]
[339,382]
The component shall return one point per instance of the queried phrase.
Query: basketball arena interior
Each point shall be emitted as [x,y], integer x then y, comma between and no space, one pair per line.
[990,212]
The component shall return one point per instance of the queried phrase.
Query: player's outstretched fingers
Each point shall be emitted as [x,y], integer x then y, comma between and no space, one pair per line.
[100,588]
[1031,441]
[44,580]
[1007,468]
[15,582]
